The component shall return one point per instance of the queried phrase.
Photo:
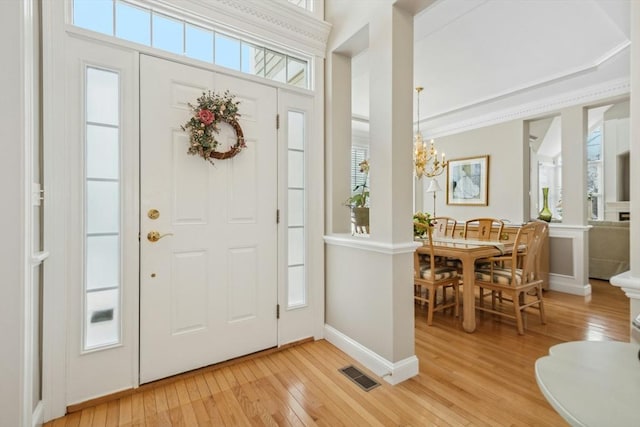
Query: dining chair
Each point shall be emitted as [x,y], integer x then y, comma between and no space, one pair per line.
[444,226]
[515,276]
[431,275]
[487,228]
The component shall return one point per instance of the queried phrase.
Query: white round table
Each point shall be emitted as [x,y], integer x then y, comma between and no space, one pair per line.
[592,383]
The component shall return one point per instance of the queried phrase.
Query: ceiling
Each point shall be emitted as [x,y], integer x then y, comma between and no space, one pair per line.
[483,61]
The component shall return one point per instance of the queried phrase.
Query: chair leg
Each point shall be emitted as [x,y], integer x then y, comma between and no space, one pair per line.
[431,302]
[518,310]
[456,295]
[543,318]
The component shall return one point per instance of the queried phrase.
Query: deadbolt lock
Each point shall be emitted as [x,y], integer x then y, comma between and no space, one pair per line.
[154,236]
[153,213]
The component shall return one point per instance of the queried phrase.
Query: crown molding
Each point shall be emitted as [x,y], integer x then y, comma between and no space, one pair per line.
[554,78]
[278,22]
[613,88]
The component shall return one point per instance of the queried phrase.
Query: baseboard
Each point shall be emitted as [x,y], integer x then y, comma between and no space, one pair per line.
[568,285]
[392,372]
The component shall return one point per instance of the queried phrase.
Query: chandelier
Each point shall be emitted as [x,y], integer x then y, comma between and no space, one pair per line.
[426,157]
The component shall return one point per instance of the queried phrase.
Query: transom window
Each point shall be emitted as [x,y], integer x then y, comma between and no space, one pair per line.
[150,28]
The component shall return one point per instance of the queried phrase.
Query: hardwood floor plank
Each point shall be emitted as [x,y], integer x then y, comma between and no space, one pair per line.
[113,414]
[160,398]
[481,379]
[74,419]
[274,386]
[125,411]
[192,388]
[86,419]
[211,407]
[149,401]
[100,415]
[212,384]
[137,410]
[203,388]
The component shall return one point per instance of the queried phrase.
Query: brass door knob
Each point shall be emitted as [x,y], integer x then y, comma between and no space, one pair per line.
[154,236]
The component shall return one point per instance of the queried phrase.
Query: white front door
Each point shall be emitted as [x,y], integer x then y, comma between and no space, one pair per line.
[208,290]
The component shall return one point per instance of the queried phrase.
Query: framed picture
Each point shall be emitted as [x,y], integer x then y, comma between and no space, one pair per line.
[468,181]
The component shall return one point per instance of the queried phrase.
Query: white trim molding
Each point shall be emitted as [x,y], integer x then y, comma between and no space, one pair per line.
[544,81]
[629,284]
[578,283]
[363,243]
[610,89]
[568,285]
[392,372]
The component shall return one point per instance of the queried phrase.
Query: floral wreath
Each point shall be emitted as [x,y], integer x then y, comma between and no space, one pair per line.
[211,109]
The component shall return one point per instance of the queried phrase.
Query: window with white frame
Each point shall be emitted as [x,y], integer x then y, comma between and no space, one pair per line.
[595,196]
[296,283]
[358,155]
[148,27]
[102,219]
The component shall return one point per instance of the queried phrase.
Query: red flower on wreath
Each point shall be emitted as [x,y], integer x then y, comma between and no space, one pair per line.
[206,117]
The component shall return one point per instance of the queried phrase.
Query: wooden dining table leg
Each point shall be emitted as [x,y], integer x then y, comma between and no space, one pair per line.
[468,294]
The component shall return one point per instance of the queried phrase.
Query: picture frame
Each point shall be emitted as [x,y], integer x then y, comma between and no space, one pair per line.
[468,181]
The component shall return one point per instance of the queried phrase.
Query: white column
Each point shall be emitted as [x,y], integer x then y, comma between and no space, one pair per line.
[629,281]
[574,219]
[391,112]
[369,292]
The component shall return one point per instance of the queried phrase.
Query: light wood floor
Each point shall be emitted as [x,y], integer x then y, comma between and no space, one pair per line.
[484,378]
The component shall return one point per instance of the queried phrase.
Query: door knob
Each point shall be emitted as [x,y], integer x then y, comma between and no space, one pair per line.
[154,236]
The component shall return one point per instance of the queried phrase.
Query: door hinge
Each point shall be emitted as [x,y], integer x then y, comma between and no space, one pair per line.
[277,311]
[277,121]
[277,216]
[37,194]
[138,236]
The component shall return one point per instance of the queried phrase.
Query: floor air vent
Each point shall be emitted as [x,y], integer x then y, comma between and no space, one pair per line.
[357,376]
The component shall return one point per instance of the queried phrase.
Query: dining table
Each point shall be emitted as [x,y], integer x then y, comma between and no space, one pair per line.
[468,251]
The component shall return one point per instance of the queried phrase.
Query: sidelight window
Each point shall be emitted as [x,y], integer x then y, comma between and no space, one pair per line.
[102,219]
[296,283]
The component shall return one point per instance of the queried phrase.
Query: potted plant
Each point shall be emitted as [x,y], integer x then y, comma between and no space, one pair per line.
[421,224]
[358,202]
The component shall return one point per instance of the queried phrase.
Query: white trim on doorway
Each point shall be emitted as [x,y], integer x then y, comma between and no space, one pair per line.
[57,36]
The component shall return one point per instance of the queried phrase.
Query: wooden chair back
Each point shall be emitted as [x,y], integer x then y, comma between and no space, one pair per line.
[525,250]
[488,228]
[443,226]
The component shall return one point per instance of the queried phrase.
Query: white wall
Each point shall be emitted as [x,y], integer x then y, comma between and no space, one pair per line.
[507,172]
[11,215]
